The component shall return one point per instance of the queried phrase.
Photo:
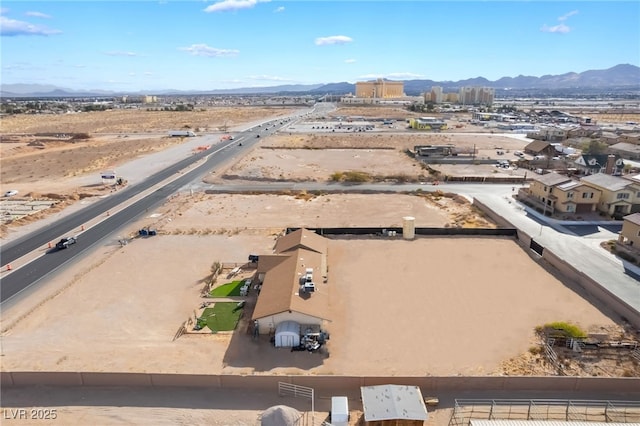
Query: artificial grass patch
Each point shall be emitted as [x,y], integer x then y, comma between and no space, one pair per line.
[223,316]
[228,289]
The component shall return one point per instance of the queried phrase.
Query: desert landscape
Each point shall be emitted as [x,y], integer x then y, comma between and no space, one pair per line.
[455,305]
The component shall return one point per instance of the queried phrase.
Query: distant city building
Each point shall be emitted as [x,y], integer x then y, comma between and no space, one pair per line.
[380,89]
[476,95]
[143,99]
[436,94]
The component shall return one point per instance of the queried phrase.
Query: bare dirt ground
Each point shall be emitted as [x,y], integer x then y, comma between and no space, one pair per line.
[85,323]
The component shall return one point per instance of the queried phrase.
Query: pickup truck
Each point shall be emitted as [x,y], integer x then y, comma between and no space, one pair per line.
[66,242]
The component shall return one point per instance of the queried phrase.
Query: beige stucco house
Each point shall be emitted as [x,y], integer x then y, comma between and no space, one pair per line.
[630,233]
[618,195]
[294,286]
[554,193]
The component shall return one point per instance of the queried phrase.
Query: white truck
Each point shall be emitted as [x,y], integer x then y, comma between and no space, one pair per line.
[183,133]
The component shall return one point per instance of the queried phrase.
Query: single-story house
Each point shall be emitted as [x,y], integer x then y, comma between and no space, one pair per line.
[293,285]
[540,148]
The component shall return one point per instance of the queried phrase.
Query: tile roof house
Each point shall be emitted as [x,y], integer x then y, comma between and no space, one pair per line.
[283,295]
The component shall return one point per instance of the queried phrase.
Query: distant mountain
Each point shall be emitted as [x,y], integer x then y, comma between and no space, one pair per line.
[619,76]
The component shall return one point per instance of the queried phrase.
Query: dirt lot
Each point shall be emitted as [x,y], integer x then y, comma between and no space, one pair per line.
[476,319]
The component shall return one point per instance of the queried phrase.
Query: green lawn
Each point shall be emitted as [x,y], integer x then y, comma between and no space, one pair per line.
[228,289]
[223,316]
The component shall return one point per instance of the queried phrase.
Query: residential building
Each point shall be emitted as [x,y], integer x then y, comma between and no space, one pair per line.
[628,151]
[554,193]
[619,196]
[549,133]
[539,148]
[293,282]
[380,88]
[589,164]
[630,233]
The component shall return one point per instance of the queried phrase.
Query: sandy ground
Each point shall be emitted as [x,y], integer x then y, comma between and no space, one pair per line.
[461,308]
[482,296]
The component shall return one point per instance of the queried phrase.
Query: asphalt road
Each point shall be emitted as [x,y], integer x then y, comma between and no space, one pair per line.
[22,278]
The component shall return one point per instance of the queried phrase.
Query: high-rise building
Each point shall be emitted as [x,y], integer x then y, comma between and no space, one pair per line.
[476,95]
[380,89]
[436,94]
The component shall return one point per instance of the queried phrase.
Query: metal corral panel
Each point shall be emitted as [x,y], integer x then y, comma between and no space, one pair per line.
[473,422]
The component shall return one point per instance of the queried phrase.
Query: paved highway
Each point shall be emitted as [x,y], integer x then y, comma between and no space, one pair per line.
[18,280]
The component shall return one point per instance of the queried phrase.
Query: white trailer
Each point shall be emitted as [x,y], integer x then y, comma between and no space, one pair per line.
[183,133]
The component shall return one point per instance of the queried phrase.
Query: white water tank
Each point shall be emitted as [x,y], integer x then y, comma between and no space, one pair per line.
[408,227]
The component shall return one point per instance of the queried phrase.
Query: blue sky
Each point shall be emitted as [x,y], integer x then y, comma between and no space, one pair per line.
[140,45]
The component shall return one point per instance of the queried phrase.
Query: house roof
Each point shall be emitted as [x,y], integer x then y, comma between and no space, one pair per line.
[537,146]
[602,180]
[280,290]
[393,402]
[626,147]
[633,218]
[552,179]
[301,238]
[569,185]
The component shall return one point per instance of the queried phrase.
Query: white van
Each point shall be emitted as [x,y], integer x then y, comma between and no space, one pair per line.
[339,411]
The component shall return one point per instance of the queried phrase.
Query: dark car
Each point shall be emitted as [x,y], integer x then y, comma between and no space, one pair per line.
[257,136]
[66,242]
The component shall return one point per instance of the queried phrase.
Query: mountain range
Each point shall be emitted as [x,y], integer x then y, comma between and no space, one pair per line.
[623,76]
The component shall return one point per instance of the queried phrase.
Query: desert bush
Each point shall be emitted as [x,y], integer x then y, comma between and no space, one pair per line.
[564,329]
[336,177]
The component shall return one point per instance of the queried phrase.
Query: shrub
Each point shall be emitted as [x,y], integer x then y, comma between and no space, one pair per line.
[564,329]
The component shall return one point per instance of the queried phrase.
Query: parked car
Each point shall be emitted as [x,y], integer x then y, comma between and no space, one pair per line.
[11,193]
[66,242]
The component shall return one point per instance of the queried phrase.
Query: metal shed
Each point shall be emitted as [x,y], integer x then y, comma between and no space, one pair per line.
[397,405]
[287,334]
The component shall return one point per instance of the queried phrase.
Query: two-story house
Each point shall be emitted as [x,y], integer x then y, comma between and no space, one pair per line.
[630,233]
[589,164]
[554,193]
[618,195]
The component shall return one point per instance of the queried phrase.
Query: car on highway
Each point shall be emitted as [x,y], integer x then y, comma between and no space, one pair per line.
[257,136]
[11,193]
[66,242]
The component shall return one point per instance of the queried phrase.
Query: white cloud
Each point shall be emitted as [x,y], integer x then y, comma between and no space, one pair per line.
[404,75]
[267,78]
[228,5]
[279,9]
[393,76]
[204,50]
[349,61]
[38,15]
[338,39]
[567,15]
[119,53]
[12,27]
[370,76]
[560,28]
